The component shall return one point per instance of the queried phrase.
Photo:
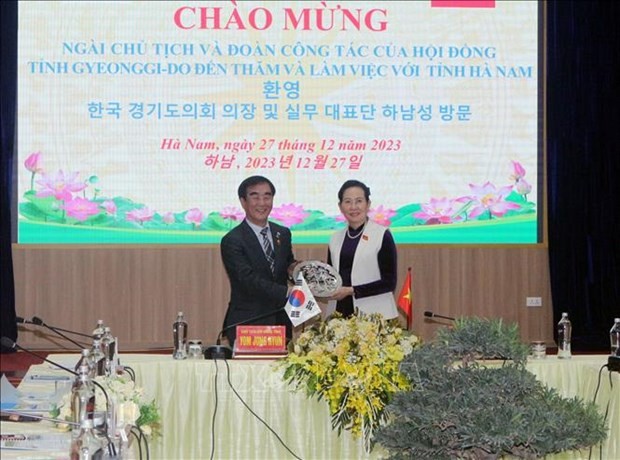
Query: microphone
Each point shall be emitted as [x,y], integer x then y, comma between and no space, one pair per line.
[17,416]
[20,320]
[430,314]
[218,351]
[8,343]
[39,322]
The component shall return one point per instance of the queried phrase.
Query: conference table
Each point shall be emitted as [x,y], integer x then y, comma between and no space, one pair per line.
[242,409]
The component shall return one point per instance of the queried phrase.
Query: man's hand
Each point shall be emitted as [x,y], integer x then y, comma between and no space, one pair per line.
[291,269]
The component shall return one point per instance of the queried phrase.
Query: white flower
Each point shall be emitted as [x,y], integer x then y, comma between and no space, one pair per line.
[126,399]
[127,413]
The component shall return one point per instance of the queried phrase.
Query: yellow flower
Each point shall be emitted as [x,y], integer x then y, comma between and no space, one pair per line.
[353,364]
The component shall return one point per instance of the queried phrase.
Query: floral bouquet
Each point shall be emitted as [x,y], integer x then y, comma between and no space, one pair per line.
[354,365]
[130,405]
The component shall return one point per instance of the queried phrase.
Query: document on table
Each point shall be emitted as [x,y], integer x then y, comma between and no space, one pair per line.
[47,441]
[9,395]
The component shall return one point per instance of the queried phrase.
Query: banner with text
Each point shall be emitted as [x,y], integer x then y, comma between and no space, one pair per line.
[137,120]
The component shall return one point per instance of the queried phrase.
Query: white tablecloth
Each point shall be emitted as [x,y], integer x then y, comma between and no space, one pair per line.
[208,405]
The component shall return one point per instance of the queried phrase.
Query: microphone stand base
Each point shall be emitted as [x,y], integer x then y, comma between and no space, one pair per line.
[613,363]
[218,352]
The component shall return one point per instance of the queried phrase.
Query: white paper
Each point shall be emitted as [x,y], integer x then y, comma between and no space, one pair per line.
[9,395]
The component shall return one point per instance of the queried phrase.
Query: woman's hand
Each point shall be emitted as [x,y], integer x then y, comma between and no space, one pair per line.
[342,292]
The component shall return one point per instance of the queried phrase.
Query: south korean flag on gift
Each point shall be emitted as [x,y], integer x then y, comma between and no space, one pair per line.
[301,305]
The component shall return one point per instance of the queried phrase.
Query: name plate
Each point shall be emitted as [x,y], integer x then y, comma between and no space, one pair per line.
[260,339]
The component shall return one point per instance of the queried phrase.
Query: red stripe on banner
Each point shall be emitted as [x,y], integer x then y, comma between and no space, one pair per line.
[462,3]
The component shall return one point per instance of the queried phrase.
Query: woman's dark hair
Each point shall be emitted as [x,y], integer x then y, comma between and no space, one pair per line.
[252,181]
[353,183]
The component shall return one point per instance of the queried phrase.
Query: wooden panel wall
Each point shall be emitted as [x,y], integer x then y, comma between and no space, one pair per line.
[137,290]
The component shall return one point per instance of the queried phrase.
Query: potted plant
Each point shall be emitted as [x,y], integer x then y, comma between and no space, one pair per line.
[458,406]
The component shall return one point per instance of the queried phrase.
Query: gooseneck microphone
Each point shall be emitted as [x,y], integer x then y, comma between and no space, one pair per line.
[430,314]
[8,343]
[218,351]
[39,322]
[18,416]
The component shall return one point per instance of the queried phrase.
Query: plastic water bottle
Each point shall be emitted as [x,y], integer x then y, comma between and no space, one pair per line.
[84,359]
[614,337]
[565,330]
[86,445]
[97,359]
[82,398]
[98,331]
[108,346]
[179,330]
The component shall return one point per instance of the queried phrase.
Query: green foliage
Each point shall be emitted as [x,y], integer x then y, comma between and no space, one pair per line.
[41,208]
[474,411]
[481,338]
[150,416]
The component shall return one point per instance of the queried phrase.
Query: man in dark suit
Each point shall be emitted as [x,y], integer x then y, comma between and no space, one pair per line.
[258,258]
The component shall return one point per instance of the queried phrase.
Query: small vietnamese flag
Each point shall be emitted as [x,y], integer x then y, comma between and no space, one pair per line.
[405,299]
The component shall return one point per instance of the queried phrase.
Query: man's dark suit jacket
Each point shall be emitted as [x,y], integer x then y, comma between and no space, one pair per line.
[254,289]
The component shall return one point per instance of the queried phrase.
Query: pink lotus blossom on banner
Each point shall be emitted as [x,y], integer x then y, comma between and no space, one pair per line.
[109,206]
[59,186]
[289,214]
[488,198]
[341,218]
[140,215]
[232,213]
[523,187]
[168,218]
[32,162]
[518,171]
[80,208]
[438,211]
[381,215]
[194,216]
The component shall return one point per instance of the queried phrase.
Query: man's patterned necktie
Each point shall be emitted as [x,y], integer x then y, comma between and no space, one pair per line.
[271,256]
